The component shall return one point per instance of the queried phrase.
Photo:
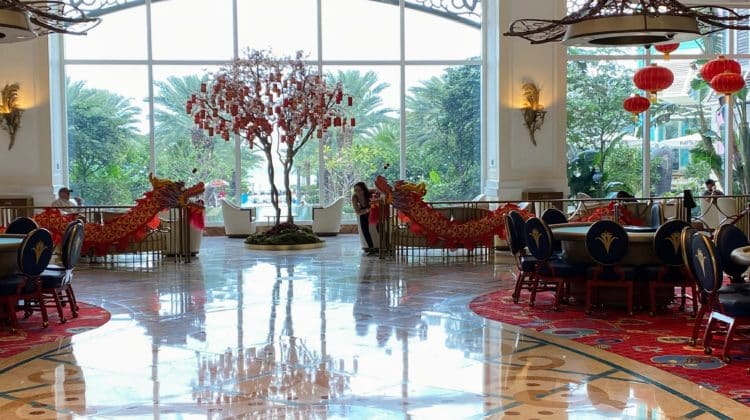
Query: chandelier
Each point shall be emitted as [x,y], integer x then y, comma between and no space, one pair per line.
[24,20]
[606,23]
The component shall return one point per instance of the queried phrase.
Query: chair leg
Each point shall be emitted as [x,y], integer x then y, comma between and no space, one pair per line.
[558,294]
[697,326]
[58,305]
[682,304]
[72,300]
[629,289]
[652,298]
[10,307]
[694,295]
[42,309]
[519,285]
[707,335]
[728,341]
[534,285]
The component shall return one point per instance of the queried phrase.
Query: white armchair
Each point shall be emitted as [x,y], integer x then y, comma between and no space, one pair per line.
[238,222]
[327,220]
[174,238]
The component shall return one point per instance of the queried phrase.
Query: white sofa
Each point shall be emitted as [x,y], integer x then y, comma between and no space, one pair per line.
[327,220]
[238,222]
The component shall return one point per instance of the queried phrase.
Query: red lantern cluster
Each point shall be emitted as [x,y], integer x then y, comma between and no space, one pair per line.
[636,104]
[653,79]
[724,75]
[666,49]
[254,101]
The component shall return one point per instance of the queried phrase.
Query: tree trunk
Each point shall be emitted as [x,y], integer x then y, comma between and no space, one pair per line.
[274,190]
[287,173]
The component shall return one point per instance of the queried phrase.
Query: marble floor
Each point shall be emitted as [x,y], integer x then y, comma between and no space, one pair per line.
[326,333]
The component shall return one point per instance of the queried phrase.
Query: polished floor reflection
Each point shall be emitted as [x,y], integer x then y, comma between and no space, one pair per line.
[325,333]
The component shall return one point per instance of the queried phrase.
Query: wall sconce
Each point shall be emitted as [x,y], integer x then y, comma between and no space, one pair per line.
[533,112]
[10,113]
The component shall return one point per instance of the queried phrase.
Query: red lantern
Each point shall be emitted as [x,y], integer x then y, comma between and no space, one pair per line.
[717,66]
[653,79]
[727,83]
[666,49]
[636,104]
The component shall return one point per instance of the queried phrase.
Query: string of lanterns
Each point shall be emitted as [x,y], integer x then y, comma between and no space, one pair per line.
[722,74]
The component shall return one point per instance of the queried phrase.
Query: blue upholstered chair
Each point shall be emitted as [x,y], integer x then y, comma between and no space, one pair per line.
[672,272]
[551,274]
[21,226]
[657,215]
[728,238]
[732,309]
[524,264]
[607,244]
[57,279]
[518,225]
[553,216]
[33,256]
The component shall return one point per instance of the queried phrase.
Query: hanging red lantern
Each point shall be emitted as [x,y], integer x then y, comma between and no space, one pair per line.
[636,104]
[717,66]
[666,49]
[653,79]
[727,83]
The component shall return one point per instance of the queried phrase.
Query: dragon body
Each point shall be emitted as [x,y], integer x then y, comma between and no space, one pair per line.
[131,226]
[408,199]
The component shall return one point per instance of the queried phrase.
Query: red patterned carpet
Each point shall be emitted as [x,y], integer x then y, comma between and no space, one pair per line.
[31,332]
[660,341]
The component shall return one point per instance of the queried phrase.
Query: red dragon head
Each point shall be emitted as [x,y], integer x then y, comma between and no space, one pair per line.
[173,193]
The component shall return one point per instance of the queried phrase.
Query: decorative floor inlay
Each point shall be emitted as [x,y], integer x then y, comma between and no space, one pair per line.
[325,333]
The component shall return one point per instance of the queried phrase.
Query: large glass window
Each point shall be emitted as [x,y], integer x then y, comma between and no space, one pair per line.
[413,52]
[685,129]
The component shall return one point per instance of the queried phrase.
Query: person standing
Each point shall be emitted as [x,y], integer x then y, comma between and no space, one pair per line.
[361,205]
[711,188]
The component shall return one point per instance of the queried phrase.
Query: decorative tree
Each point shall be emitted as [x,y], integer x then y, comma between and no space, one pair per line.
[275,103]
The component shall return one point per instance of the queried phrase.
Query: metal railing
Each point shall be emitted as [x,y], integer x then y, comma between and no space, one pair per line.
[170,240]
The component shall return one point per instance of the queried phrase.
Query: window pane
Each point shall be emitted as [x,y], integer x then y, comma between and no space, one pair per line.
[108,147]
[360,29]
[299,17]
[685,135]
[433,37]
[603,140]
[191,29]
[372,148]
[121,35]
[443,130]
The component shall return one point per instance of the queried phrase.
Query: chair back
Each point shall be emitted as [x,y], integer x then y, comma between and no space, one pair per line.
[21,226]
[668,242]
[728,238]
[686,242]
[518,225]
[657,215]
[512,236]
[606,242]
[71,244]
[538,238]
[35,252]
[553,216]
[707,266]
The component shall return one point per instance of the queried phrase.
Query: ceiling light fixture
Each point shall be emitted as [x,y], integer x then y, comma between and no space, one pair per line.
[24,20]
[616,23]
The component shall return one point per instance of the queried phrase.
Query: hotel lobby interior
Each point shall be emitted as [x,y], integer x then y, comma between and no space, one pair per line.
[231,331]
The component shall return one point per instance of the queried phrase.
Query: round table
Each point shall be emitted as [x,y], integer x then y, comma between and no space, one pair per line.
[573,239]
[8,252]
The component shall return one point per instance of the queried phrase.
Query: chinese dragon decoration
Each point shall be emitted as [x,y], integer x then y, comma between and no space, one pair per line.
[425,221]
[133,225]
[608,213]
